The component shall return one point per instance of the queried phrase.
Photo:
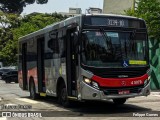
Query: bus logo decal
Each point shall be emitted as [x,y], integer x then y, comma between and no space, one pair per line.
[123,83]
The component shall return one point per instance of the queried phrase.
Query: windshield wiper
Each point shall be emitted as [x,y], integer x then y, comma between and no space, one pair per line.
[109,43]
[125,45]
[132,41]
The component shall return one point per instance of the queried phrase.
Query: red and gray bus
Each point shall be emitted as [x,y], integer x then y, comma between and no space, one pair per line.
[87,57]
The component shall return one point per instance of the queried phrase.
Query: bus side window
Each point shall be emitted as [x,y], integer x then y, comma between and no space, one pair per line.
[53,45]
[62,47]
[50,44]
[76,42]
[53,42]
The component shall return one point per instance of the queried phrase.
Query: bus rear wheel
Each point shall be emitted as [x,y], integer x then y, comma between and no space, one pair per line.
[62,97]
[33,94]
[119,101]
[6,81]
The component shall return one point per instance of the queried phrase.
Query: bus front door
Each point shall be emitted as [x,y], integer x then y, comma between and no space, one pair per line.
[40,64]
[71,58]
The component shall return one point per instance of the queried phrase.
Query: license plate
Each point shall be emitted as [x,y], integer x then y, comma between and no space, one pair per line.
[123,92]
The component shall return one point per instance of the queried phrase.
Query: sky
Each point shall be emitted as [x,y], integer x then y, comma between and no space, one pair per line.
[62,6]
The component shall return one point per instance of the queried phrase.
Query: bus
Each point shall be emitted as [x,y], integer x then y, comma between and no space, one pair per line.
[87,57]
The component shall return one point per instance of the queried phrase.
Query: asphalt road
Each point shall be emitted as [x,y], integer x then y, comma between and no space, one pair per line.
[13,99]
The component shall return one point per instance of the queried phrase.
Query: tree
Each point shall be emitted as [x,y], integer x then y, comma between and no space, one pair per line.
[34,22]
[26,25]
[7,23]
[16,6]
[149,10]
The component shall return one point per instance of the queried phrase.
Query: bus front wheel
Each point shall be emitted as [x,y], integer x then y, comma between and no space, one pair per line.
[119,101]
[62,97]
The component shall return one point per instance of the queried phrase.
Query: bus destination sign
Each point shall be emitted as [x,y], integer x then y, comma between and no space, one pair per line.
[107,21]
[116,22]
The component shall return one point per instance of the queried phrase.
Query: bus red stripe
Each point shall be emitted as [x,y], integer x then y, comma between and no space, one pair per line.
[119,82]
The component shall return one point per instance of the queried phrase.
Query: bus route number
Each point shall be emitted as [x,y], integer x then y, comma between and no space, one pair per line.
[116,22]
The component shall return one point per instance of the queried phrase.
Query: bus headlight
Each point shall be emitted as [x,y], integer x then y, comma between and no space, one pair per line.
[86,80]
[91,83]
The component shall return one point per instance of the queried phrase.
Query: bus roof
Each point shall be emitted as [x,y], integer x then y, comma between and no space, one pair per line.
[49,28]
[114,15]
[64,23]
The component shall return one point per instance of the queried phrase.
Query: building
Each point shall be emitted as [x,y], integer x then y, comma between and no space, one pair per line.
[72,12]
[117,6]
[75,10]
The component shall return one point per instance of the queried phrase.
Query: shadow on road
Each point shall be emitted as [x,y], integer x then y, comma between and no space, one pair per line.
[96,108]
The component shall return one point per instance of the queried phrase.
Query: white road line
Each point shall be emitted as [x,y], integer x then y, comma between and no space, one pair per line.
[27,100]
[3,118]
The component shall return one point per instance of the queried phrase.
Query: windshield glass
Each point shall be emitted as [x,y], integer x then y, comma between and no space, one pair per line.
[113,49]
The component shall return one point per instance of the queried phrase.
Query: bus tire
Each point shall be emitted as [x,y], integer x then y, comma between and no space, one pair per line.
[32,90]
[62,97]
[6,81]
[119,101]
[16,81]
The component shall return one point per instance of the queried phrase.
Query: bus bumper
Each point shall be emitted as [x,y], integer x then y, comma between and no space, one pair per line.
[90,93]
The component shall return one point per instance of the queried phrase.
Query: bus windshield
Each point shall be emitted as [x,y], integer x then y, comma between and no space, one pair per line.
[114,48]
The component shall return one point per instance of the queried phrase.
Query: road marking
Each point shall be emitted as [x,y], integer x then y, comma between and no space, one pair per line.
[3,118]
[27,100]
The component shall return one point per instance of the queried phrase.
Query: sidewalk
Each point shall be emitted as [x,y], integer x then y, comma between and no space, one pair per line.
[155,92]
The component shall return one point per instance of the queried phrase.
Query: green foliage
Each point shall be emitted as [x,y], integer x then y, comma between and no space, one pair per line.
[130,12]
[7,23]
[16,27]
[16,6]
[149,10]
